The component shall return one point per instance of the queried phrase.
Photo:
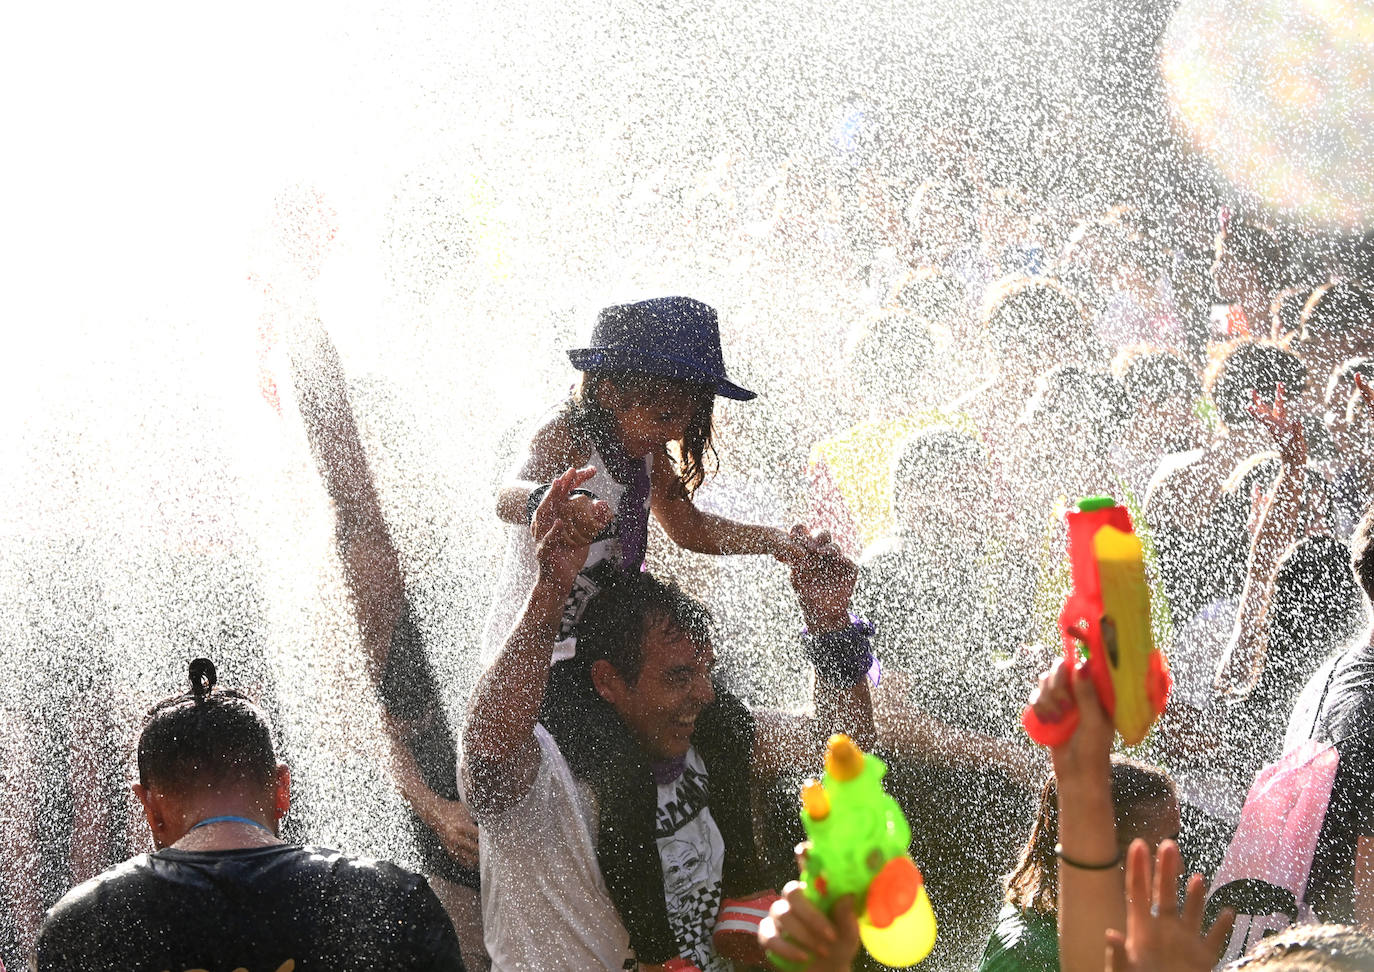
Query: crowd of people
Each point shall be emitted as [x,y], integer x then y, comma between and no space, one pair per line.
[608,800]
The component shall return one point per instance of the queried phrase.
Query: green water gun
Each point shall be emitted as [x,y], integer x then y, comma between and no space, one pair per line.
[858,846]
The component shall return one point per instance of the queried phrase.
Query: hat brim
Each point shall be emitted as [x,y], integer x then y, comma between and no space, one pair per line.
[659,365]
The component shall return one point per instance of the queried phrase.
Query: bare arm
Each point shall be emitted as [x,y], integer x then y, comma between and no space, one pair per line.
[500,752]
[824,582]
[707,533]
[372,569]
[449,819]
[1091,899]
[914,734]
[1274,527]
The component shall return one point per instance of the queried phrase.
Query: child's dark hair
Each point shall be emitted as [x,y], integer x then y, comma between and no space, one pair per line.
[1034,313]
[206,735]
[1311,948]
[624,610]
[696,444]
[1034,885]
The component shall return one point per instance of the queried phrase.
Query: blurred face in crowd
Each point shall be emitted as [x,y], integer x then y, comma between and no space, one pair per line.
[947,493]
[1065,442]
[940,224]
[1170,425]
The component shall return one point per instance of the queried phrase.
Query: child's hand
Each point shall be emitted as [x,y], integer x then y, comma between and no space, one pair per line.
[1157,937]
[797,931]
[785,548]
[824,580]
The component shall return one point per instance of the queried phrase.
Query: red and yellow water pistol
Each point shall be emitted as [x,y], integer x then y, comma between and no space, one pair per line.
[1108,615]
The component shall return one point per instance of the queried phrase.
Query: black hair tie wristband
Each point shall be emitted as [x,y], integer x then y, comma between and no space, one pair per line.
[842,658]
[535,498]
[539,492]
[1059,853]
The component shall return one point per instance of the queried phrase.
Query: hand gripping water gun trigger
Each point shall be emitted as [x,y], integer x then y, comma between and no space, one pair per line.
[1108,613]
[858,846]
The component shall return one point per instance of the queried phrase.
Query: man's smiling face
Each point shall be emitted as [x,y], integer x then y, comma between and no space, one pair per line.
[674,685]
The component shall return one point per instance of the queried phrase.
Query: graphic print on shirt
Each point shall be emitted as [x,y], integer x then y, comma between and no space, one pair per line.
[586,585]
[693,855]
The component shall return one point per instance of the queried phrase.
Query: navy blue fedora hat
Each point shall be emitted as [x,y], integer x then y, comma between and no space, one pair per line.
[671,337]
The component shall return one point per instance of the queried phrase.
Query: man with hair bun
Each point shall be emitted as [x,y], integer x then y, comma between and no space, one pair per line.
[222,890]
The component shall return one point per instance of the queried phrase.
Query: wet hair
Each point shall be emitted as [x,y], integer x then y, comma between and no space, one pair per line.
[1034,884]
[1311,948]
[691,459]
[204,736]
[1362,552]
[1337,307]
[1252,366]
[1032,312]
[628,606]
[1156,376]
[1285,311]
[931,293]
[1091,400]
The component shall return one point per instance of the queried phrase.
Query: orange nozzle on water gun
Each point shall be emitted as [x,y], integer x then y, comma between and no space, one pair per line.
[858,846]
[1108,615]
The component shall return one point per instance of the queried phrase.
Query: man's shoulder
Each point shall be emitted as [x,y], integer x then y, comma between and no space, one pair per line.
[325,862]
[550,775]
[125,880]
[309,902]
[139,879]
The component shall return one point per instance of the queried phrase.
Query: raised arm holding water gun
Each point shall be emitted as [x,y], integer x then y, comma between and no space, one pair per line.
[1106,622]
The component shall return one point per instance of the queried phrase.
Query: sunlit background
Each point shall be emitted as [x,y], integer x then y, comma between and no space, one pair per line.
[453,189]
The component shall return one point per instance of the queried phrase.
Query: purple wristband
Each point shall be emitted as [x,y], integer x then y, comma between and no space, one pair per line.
[842,658]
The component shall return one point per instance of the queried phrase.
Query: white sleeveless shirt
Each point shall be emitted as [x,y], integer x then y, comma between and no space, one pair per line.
[519,570]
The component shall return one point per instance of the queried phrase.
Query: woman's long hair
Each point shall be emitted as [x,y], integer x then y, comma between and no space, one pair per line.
[1034,884]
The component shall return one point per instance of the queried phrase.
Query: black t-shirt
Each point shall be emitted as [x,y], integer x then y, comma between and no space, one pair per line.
[283,908]
[1338,707]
